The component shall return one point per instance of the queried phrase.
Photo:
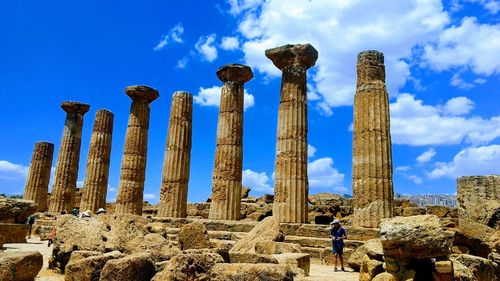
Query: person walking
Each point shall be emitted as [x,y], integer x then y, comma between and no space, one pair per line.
[30,222]
[338,235]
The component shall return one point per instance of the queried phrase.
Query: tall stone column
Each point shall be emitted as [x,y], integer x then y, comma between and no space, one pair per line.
[291,185]
[37,183]
[228,166]
[64,188]
[95,186]
[175,177]
[372,153]
[133,172]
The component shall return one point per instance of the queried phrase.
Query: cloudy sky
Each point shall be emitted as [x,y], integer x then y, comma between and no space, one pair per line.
[442,63]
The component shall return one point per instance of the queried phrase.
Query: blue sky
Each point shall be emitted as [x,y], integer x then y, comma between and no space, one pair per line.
[442,64]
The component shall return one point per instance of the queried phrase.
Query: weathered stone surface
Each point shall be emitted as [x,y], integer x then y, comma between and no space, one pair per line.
[266,230]
[416,237]
[439,211]
[89,268]
[103,233]
[461,272]
[300,263]
[133,170]
[482,269]
[155,227]
[370,268]
[65,177]
[245,257]
[251,272]
[478,199]
[291,185]
[372,248]
[14,233]
[97,173]
[326,199]
[372,152]
[20,266]
[271,247]
[175,175]
[79,255]
[189,267]
[226,178]
[193,236]
[37,182]
[477,238]
[245,191]
[16,210]
[385,276]
[413,211]
[135,267]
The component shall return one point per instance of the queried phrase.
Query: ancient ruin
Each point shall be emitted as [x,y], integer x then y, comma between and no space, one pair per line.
[63,190]
[37,183]
[175,175]
[234,235]
[96,178]
[372,155]
[133,172]
[228,166]
[291,185]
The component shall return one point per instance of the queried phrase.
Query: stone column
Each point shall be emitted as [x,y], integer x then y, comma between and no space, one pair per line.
[175,178]
[37,183]
[95,186]
[372,155]
[291,185]
[133,172]
[228,166]
[64,188]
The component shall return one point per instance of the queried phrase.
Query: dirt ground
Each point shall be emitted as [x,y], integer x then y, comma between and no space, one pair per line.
[318,272]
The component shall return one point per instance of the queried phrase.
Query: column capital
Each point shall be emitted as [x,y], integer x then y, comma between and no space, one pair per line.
[75,107]
[142,93]
[235,72]
[370,66]
[303,55]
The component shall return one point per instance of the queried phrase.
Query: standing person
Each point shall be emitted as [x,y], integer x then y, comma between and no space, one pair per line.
[338,235]
[30,222]
[52,234]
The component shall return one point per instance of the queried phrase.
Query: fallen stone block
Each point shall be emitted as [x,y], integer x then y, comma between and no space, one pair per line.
[135,267]
[251,272]
[16,266]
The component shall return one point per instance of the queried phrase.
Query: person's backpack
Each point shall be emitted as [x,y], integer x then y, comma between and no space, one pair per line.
[31,219]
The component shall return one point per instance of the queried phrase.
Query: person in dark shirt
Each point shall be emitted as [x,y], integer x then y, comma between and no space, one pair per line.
[338,235]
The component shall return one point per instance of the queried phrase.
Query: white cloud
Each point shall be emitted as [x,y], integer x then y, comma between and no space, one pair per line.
[173,36]
[211,97]
[471,161]
[322,174]
[79,184]
[12,171]
[470,45]
[493,6]
[149,196]
[394,28]
[426,156]
[237,6]
[182,63]
[415,179]
[311,150]
[257,181]
[458,82]
[206,47]
[458,106]
[414,123]
[230,43]
[402,169]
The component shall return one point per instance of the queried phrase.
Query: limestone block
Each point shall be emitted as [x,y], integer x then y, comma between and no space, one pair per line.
[20,265]
[251,272]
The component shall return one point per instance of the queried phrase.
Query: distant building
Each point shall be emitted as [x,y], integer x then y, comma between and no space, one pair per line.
[422,200]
